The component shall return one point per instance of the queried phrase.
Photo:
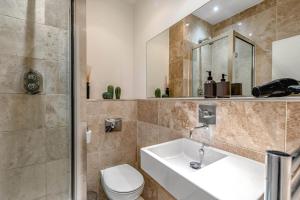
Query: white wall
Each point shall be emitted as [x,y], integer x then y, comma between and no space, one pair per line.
[110,45]
[150,18]
[285,58]
[157,63]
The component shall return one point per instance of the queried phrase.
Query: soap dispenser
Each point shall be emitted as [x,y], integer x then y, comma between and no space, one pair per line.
[210,87]
[223,88]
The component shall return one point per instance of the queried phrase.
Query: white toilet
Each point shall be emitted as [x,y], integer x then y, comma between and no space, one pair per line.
[122,182]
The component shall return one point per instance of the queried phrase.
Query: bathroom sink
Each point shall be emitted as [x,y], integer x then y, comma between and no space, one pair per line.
[222,176]
[179,154]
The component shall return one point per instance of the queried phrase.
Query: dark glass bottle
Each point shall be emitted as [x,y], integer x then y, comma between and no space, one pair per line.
[276,88]
[223,88]
[210,87]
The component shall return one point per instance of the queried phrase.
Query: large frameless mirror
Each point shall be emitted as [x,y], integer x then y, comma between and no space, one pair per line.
[252,42]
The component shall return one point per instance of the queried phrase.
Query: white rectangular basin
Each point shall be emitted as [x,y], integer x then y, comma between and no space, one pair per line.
[223,176]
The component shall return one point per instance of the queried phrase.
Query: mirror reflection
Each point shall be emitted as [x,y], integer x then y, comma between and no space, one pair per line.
[241,44]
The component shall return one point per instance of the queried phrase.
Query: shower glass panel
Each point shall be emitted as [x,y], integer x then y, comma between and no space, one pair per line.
[243,65]
[212,56]
[35,128]
[231,54]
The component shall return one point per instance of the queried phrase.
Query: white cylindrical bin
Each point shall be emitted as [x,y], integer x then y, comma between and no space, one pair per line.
[88,136]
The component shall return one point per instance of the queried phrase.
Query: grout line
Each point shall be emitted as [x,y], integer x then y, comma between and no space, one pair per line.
[285,126]
[35,22]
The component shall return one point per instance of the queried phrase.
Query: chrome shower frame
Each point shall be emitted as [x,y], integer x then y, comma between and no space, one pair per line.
[231,35]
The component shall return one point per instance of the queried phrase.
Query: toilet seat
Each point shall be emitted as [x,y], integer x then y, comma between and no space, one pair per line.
[122,179]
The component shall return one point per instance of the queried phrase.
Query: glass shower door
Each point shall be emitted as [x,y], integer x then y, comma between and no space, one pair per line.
[243,65]
[35,121]
[212,56]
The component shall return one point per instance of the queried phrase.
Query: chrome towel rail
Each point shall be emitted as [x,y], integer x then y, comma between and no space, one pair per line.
[282,176]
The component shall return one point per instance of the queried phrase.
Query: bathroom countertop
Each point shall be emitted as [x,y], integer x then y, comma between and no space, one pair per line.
[292,98]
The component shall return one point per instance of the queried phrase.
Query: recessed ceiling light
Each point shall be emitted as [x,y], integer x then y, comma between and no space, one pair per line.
[187,24]
[250,34]
[216,8]
[240,23]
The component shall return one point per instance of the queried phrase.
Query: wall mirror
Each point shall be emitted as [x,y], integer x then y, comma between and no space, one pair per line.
[251,41]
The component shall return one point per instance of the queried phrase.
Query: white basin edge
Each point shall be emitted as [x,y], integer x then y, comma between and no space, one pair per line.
[193,180]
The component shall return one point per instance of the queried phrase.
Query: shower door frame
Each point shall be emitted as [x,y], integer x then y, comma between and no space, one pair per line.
[78,51]
[73,101]
[231,35]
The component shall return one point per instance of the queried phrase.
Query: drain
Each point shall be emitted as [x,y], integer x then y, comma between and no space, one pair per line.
[195,165]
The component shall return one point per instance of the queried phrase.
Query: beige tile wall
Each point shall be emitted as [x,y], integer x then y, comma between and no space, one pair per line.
[182,39]
[246,128]
[34,130]
[110,149]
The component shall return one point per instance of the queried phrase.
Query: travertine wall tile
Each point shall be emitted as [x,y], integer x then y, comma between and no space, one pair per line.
[245,152]
[110,149]
[34,129]
[60,17]
[57,143]
[147,134]
[24,9]
[22,148]
[162,194]
[178,115]
[56,110]
[26,183]
[288,18]
[167,134]
[16,112]
[58,176]
[148,111]
[182,39]
[293,127]
[43,42]
[256,126]
[93,171]
[150,187]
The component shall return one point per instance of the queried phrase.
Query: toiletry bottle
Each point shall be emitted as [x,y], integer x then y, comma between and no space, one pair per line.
[210,87]
[223,88]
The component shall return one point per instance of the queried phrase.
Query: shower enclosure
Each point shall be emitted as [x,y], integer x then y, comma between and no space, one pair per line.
[35,100]
[231,54]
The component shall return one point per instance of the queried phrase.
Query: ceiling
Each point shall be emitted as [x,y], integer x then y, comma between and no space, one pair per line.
[216,11]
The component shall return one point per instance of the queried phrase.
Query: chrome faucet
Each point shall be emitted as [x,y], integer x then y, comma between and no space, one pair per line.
[207,116]
[197,127]
[198,165]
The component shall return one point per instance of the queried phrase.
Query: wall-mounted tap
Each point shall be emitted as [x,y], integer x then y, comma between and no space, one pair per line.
[207,116]
[197,127]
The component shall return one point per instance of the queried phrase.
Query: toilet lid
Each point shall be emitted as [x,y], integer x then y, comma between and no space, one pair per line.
[122,178]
